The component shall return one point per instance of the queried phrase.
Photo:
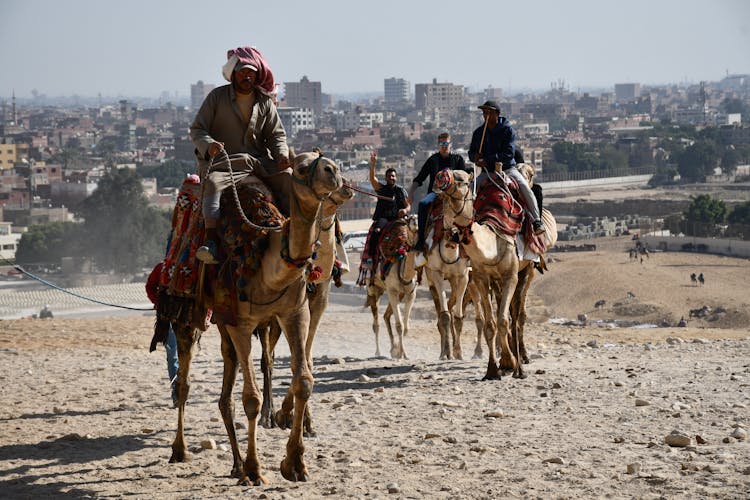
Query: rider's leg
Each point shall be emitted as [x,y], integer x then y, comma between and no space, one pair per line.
[422,213]
[211,199]
[528,197]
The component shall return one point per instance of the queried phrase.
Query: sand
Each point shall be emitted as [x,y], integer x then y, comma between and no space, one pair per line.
[86,409]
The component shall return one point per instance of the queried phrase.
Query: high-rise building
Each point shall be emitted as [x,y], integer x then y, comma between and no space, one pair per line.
[626,92]
[304,94]
[397,92]
[447,98]
[198,92]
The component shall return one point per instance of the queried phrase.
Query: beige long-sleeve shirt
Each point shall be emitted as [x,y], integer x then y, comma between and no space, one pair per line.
[220,120]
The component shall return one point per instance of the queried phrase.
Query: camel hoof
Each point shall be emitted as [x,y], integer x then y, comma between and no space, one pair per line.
[525,360]
[237,472]
[519,374]
[284,421]
[266,421]
[256,480]
[492,376]
[477,356]
[179,457]
[294,474]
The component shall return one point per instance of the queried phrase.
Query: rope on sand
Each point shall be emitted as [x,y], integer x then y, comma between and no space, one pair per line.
[52,285]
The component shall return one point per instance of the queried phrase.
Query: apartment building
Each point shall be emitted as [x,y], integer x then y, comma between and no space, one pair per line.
[198,92]
[304,94]
[446,98]
[397,92]
[296,119]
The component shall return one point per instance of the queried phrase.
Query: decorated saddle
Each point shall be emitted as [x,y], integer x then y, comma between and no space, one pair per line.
[499,205]
[390,245]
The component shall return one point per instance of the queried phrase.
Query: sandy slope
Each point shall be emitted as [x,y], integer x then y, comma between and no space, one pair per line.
[86,411]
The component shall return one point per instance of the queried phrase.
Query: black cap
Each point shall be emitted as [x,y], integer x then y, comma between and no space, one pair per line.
[490,105]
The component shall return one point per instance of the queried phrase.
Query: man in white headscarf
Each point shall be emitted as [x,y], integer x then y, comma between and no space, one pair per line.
[240,118]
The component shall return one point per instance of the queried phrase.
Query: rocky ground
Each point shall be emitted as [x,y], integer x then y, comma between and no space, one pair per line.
[85,409]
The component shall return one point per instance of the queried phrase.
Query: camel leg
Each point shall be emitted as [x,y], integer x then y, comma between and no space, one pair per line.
[317,302]
[251,399]
[373,295]
[489,332]
[187,337]
[226,403]
[473,295]
[269,335]
[518,315]
[504,294]
[295,326]
[456,304]
[408,304]
[390,311]
[445,328]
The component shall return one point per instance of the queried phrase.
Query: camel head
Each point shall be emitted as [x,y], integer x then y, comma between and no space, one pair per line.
[458,200]
[528,171]
[317,173]
[343,194]
[412,226]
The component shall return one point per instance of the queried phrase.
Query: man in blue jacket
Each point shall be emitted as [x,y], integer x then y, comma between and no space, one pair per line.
[493,145]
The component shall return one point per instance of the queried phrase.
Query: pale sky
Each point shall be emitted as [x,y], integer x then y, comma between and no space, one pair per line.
[145,47]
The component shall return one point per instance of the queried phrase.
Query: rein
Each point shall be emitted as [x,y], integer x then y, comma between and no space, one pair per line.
[237,204]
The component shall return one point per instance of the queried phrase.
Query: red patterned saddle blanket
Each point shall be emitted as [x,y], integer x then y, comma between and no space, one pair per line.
[498,206]
[393,245]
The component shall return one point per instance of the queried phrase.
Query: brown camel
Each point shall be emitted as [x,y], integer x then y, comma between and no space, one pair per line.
[445,262]
[318,290]
[276,290]
[494,263]
[401,285]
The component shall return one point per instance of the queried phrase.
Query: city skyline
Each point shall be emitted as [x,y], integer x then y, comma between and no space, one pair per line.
[87,48]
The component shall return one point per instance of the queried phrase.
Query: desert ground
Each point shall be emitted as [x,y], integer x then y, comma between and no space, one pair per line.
[86,409]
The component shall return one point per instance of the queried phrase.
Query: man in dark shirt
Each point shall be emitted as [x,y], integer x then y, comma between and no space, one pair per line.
[392,203]
[492,145]
[443,159]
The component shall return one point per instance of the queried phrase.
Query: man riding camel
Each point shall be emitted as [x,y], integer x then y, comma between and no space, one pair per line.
[443,159]
[392,204]
[240,117]
[493,145]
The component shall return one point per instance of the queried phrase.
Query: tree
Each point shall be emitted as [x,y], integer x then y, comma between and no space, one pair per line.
[704,215]
[121,232]
[698,161]
[48,243]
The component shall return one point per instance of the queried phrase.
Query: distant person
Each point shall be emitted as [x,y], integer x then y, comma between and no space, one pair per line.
[442,160]
[240,118]
[152,290]
[393,203]
[701,280]
[498,142]
[46,312]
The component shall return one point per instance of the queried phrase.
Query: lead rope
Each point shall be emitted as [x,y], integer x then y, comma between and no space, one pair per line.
[237,204]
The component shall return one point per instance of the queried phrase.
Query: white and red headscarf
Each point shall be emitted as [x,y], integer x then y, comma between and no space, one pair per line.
[252,56]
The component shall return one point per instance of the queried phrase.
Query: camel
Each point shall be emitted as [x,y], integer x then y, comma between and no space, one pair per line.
[445,262]
[318,290]
[275,290]
[494,263]
[401,285]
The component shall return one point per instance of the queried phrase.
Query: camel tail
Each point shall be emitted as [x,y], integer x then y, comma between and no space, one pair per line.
[161,330]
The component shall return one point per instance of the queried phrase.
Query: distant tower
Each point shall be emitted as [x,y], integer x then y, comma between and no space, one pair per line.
[198,92]
[702,98]
[14,117]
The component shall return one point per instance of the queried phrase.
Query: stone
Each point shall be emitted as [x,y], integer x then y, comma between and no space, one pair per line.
[739,434]
[208,444]
[678,439]
[634,468]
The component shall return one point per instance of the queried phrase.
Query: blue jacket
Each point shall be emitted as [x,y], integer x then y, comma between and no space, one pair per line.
[499,145]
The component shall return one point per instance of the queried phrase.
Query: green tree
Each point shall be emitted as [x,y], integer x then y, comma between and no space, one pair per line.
[121,232]
[48,243]
[698,161]
[704,216]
